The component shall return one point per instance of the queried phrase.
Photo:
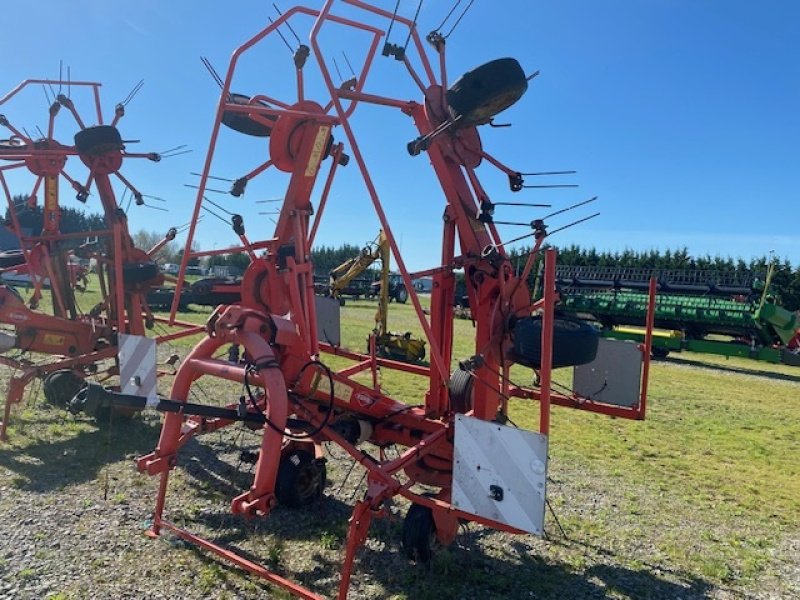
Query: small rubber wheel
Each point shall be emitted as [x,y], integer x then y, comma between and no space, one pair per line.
[135,273]
[487,90]
[401,295]
[242,123]
[60,387]
[161,297]
[201,288]
[98,140]
[460,389]
[419,534]
[574,342]
[301,479]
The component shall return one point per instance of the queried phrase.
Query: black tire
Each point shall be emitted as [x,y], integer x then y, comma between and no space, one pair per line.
[574,342]
[242,123]
[460,389]
[788,357]
[98,140]
[487,90]
[419,534]
[401,294]
[217,298]
[659,352]
[161,297]
[60,387]
[136,273]
[301,479]
[202,291]
[201,288]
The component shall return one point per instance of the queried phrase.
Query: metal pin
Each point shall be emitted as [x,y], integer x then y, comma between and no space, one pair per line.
[283,38]
[560,185]
[550,173]
[563,210]
[212,71]
[196,187]
[213,177]
[278,10]
[352,72]
[568,225]
[336,66]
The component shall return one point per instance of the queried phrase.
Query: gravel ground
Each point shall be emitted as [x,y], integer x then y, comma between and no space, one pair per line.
[74,511]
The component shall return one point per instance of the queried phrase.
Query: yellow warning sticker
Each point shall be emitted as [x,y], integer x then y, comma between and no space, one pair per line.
[51,339]
[51,193]
[316,150]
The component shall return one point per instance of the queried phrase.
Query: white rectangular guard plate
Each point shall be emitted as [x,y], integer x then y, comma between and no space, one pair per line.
[514,461]
[614,376]
[328,320]
[137,367]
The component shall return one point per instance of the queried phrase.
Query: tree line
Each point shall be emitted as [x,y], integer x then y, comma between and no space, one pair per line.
[31,218]
[785,284]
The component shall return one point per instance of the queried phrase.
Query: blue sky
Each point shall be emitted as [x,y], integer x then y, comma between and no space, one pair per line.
[681,115]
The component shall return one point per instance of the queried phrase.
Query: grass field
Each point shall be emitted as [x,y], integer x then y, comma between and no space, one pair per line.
[698,501]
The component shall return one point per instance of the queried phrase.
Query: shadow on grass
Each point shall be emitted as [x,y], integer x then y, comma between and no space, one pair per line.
[509,569]
[43,465]
[460,573]
[464,570]
[731,369]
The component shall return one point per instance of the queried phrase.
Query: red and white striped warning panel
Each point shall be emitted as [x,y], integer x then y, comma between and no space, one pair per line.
[500,473]
[137,367]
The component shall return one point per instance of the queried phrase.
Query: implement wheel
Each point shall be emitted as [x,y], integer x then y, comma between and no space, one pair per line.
[98,140]
[301,479]
[460,389]
[574,342]
[419,534]
[242,122]
[487,90]
[137,273]
[60,387]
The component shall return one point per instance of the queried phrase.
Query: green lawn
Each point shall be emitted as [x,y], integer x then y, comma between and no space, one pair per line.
[706,490]
[719,452]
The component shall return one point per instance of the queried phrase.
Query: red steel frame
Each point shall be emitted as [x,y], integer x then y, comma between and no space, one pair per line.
[73,341]
[275,323]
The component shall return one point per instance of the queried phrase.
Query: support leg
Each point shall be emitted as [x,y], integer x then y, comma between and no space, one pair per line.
[16,387]
[356,536]
[155,528]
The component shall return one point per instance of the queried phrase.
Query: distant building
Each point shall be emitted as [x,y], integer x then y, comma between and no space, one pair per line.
[224,271]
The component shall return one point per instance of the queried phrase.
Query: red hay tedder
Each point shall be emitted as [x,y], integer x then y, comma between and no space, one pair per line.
[457,440]
[75,343]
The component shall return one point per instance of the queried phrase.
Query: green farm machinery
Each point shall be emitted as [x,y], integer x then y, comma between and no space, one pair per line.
[700,311]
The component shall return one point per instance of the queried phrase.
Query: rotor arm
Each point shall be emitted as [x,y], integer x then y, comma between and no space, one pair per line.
[4,122]
[170,235]
[62,100]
